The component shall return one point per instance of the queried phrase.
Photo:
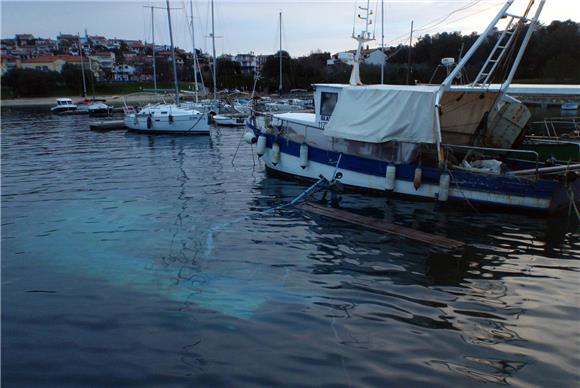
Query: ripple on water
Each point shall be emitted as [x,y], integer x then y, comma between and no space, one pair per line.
[110,276]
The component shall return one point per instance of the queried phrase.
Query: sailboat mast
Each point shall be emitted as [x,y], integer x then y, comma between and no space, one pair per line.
[409,58]
[214,57]
[153,50]
[383,41]
[194,52]
[82,67]
[92,77]
[173,55]
[280,54]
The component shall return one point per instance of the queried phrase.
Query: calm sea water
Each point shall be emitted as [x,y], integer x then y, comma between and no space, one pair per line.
[127,260]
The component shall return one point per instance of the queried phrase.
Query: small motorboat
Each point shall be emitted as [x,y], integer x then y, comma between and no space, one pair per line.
[93,107]
[63,105]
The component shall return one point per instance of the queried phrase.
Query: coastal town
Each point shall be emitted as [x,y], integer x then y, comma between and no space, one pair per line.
[370,194]
[120,60]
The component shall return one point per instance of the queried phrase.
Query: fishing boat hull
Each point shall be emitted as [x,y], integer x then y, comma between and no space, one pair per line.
[531,195]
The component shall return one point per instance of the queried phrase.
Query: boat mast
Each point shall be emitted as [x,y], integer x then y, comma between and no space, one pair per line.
[194,52]
[173,55]
[153,47]
[82,67]
[383,41]
[153,51]
[214,57]
[92,77]
[409,57]
[361,38]
[280,55]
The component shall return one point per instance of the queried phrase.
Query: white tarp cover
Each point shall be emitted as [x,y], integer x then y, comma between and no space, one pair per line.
[382,113]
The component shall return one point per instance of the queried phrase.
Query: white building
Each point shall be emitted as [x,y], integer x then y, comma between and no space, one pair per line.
[124,73]
[375,57]
[248,63]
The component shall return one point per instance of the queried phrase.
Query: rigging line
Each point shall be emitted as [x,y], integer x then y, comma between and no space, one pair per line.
[426,27]
[375,21]
[463,17]
[439,21]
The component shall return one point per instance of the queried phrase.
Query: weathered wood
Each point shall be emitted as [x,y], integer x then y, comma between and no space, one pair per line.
[108,125]
[381,226]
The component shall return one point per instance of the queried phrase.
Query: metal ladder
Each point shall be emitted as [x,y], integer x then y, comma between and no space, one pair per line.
[497,53]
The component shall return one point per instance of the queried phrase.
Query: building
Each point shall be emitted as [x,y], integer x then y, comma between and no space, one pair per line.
[125,73]
[24,40]
[247,63]
[51,63]
[67,42]
[375,57]
[260,60]
[8,63]
[97,40]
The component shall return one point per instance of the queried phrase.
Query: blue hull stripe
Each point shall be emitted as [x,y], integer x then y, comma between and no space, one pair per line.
[543,189]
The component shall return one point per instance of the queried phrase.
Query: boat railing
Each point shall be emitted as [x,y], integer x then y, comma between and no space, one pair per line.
[498,150]
[150,95]
[554,126]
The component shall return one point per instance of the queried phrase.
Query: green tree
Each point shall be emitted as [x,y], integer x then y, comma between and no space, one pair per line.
[31,83]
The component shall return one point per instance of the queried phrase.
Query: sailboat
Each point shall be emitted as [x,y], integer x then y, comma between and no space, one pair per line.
[446,143]
[176,118]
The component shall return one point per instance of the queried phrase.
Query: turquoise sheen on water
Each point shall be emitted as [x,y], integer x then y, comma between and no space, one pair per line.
[137,259]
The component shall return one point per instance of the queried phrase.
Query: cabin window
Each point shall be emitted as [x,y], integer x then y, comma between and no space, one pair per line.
[327,104]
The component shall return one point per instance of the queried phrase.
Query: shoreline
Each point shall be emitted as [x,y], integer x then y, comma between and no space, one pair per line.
[115,100]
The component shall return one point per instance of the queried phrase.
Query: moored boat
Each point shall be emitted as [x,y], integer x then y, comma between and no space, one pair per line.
[428,142]
[63,105]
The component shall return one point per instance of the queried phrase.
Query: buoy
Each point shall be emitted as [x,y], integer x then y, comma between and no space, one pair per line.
[443,187]
[390,177]
[417,178]
[303,156]
[249,137]
[261,146]
[275,154]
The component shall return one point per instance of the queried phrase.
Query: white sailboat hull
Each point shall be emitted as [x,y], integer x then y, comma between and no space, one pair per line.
[186,124]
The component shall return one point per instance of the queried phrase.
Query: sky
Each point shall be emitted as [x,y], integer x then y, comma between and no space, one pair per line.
[252,26]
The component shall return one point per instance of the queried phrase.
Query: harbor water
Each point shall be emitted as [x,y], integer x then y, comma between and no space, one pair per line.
[142,260]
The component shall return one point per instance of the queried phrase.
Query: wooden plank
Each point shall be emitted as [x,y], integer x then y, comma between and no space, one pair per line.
[381,226]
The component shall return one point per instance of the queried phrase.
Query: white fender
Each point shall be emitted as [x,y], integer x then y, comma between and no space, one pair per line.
[443,187]
[390,177]
[417,178]
[275,154]
[261,146]
[249,137]
[303,156]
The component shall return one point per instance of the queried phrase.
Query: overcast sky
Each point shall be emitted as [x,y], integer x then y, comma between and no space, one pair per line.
[244,26]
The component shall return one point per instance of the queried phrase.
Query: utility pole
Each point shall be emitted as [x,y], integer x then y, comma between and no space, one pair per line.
[175,80]
[280,54]
[409,59]
[383,41]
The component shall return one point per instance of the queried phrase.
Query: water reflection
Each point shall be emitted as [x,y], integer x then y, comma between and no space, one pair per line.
[114,228]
